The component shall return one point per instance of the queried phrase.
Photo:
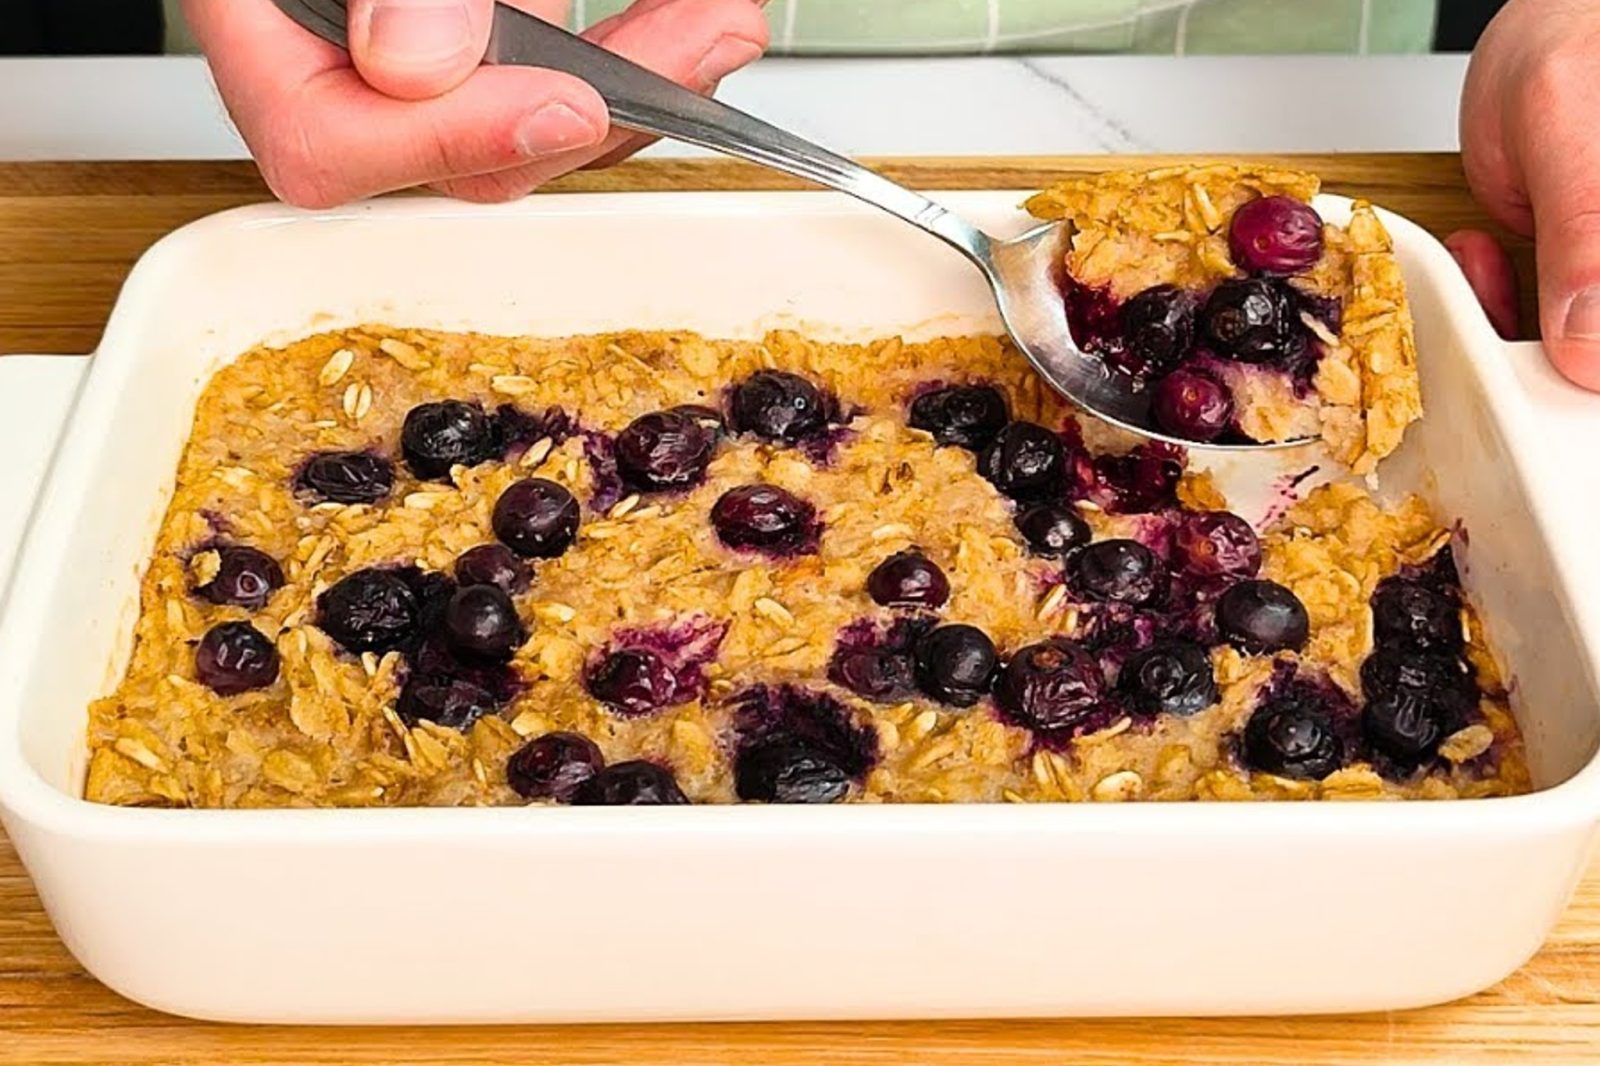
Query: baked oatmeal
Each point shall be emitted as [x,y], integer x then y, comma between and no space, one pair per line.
[413,568]
[1221,293]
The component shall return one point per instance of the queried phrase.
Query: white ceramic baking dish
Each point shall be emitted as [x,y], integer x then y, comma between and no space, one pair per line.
[749,912]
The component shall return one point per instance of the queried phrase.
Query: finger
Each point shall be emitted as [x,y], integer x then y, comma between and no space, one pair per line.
[263,46]
[690,41]
[335,139]
[1560,165]
[416,49]
[1491,274]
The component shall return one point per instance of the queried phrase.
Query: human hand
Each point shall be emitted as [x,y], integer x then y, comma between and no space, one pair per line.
[410,105]
[1530,141]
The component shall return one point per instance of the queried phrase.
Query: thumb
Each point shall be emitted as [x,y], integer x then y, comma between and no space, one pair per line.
[1561,171]
[416,49]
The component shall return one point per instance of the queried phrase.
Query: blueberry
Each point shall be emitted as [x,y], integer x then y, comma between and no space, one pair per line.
[1158,328]
[1117,571]
[345,477]
[1170,677]
[452,702]
[663,451]
[1447,683]
[766,518]
[481,622]
[779,406]
[1409,614]
[1192,405]
[235,657]
[1292,736]
[1141,480]
[437,436]
[1253,320]
[630,784]
[553,766]
[1053,529]
[878,674]
[1216,544]
[245,578]
[955,664]
[787,770]
[908,579]
[966,416]
[493,564]
[1403,724]
[369,610]
[1263,616]
[1275,235]
[536,518]
[632,682]
[1050,686]
[1026,462]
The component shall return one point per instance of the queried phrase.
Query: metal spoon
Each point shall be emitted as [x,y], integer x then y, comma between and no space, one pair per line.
[1022,271]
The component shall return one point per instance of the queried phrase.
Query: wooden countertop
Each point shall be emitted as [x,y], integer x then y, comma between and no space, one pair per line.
[68,233]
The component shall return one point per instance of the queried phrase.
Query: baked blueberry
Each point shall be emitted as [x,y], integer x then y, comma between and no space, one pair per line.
[246,577]
[1403,724]
[1275,235]
[452,702]
[536,518]
[630,784]
[765,518]
[1292,735]
[1253,320]
[1026,462]
[235,657]
[1117,571]
[1263,616]
[481,622]
[708,418]
[1216,544]
[881,675]
[553,766]
[1169,677]
[787,770]
[908,579]
[1158,329]
[663,451]
[1050,686]
[345,477]
[778,406]
[369,610]
[633,682]
[1409,614]
[1193,405]
[1053,529]
[437,436]
[966,416]
[493,564]
[1448,683]
[954,664]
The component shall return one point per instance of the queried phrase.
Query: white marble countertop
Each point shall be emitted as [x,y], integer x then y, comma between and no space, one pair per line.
[166,108]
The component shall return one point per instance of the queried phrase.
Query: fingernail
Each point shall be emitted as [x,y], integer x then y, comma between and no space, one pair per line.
[1583,315]
[555,128]
[723,58]
[420,33]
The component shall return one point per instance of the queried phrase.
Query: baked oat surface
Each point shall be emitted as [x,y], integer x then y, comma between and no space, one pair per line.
[1138,229]
[326,732]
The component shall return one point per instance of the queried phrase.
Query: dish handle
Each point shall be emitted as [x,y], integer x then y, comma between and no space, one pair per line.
[1569,415]
[36,395]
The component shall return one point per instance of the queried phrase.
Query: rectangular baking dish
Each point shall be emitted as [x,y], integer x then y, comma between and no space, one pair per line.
[748,912]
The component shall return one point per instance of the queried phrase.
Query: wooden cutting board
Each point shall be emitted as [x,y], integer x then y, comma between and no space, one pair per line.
[69,232]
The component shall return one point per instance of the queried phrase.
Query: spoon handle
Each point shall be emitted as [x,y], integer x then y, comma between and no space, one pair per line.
[644,101]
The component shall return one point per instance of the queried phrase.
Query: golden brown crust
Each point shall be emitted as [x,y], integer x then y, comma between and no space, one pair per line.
[326,733]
